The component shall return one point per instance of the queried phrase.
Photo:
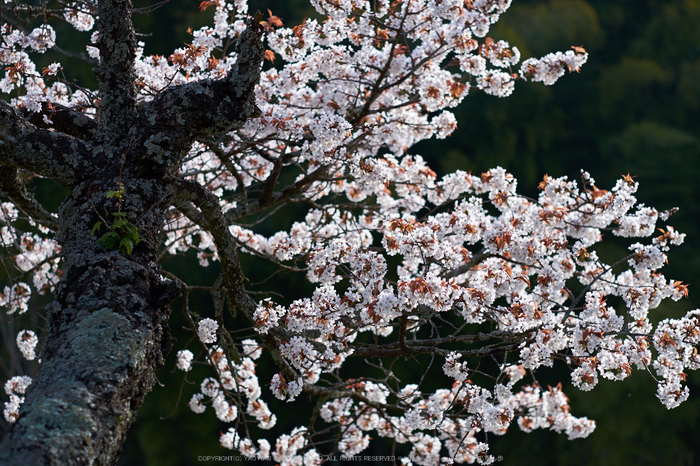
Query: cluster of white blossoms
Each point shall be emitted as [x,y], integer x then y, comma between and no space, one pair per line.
[458,269]
[207,330]
[26,342]
[493,257]
[184,360]
[234,392]
[34,255]
[14,388]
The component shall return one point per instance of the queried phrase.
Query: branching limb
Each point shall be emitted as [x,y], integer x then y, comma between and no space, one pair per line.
[226,160]
[278,197]
[48,153]
[381,352]
[475,260]
[65,120]
[233,277]
[226,245]
[509,342]
[182,114]
[191,212]
[16,191]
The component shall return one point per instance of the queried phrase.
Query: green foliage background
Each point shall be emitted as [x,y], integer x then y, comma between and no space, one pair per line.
[634,108]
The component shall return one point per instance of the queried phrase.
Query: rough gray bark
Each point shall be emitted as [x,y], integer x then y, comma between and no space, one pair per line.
[107,330]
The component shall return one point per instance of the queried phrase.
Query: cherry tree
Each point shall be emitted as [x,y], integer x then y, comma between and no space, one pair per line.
[199,150]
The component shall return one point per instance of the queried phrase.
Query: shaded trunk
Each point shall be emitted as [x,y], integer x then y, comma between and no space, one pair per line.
[107,335]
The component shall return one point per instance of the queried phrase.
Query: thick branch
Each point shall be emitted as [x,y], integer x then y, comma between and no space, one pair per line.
[384,352]
[65,120]
[226,247]
[475,260]
[48,153]
[245,73]
[176,117]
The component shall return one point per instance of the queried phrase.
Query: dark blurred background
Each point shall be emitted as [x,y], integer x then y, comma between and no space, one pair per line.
[634,108]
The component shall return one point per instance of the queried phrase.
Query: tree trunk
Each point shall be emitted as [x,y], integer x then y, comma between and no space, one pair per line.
[107,337]
[107,331]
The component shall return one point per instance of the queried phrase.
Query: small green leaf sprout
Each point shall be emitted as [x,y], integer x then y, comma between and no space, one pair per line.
[122,234]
